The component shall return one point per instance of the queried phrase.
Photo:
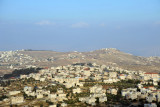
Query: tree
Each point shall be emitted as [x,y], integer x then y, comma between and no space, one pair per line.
[3,97]
[97,101]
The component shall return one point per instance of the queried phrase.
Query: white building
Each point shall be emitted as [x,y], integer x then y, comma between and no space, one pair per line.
[17,99]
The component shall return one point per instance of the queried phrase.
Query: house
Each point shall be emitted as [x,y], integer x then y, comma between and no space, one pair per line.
[140,86]
[42,79]
[150,105]
[112,91]
[96,92]
[23,76]
[1,88]
[155,83]
[122,76]
[87,73]
[60,90]
[82,99]
[151,87]
[97,89]
[68,85]
[95,95]
[17,99]
[150,98]
[132,95]
[39,96]
[77,90]
[39,93]
[112,74]
[27,89]
[52,96]
[91,100]
[152,75]
[124,92]
[63,105]
[143,95]
[61,97]
[14,92]
[31,94]
[102,99]
[158,97]
[98,77]
[129,76]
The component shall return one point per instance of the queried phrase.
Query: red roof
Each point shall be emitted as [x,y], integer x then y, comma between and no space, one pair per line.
[45,67]
[151,73]
[86,68]
[12,78]
[148,86]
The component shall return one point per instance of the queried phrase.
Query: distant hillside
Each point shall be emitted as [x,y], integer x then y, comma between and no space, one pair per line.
[109,56]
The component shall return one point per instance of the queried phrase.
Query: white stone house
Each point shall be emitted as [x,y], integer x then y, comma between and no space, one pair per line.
[82,99]
[77,90]
[102,99]
[42,79]
[122,76]
[53,105]
[27,89]
[14,92]
[132,96]
[150,98]
[23,76]
[52,96]
[112,91]
[124,92]
[152,75]
[97,89]
[60,90]
[17,99]
[61,97]
[31,94]
[143,95]
[150,105]
[64,105]
[140,86]
[113,75]
[90,100]
[39,93]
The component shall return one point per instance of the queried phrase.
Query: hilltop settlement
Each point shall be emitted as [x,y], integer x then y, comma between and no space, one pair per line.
[80,85]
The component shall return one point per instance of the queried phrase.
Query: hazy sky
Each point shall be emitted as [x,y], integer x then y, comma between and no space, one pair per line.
[131,26]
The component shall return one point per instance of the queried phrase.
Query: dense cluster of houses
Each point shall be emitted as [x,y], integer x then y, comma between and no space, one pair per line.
[74,77]
[96,92]
[14,58]
[149,93]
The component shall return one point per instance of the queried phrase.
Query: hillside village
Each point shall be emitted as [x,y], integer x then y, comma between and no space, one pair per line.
[81,85]
[21,59]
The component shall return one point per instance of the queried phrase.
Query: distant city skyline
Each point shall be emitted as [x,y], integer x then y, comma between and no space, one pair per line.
[132,26]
